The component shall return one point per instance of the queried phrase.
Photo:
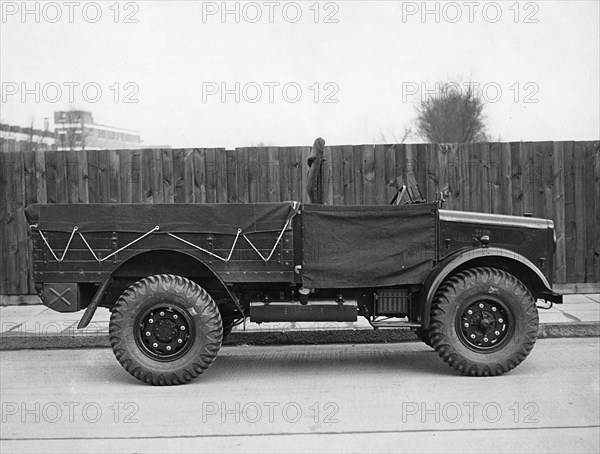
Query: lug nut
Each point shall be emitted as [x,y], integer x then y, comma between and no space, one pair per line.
[494,309]
[472,336]
[183,328]
[147,333]
[168,347]
[497,333]
[485,339]
[179,341]
[470,312]
[480,305]
[162,314]
[175,316]
[155,345]
[150,321]
[500,320]
[466,325]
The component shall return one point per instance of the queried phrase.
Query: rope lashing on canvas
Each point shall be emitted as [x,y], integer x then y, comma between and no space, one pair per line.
[224,259]
[274,247]
[120,249]
[208,252]
[62,257]
[98,259]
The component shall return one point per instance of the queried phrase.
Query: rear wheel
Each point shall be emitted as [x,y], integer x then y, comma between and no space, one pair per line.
[484,321]
[165,330]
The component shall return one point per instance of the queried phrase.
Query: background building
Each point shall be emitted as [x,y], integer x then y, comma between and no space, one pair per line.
[17,138]
[76,130]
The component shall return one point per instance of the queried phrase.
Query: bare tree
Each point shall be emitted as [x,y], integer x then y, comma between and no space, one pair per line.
[453,115]
[35,140]
[393,138]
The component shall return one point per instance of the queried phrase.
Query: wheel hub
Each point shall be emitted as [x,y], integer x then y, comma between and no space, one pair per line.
[484,324]
[164,332]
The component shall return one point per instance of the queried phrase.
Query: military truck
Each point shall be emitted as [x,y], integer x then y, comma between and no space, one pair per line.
[178,277]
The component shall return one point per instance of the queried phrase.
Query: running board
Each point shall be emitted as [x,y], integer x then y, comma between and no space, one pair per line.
[395,324]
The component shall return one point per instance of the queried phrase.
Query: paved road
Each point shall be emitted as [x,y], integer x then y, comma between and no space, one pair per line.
[338,398]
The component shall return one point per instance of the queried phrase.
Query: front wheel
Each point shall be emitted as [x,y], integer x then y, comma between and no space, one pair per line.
[484,321]
[165,330]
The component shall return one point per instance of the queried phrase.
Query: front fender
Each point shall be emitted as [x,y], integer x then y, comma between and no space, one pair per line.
[516,264]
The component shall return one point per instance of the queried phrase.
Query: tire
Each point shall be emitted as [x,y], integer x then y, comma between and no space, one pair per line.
[423,335]
[165,330]
[465,340]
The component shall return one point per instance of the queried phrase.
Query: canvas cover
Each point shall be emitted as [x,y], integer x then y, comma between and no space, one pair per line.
[140,218]
[364,246]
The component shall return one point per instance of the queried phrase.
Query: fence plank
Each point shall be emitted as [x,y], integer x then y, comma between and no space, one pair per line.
[285,192]
[589,217]
[242,172]
[137,175]
[147,176]
[178,176]
[304,154]
[19,224]
[221,173]
[368,174]
[558,200]
[29,177]
[73,175]
[390,172]
[211,175]
[8,265]
[597,210]
[496,199]
[570,210]
[580,210]
[547,181]
[431,156]
[93,176]
[103,175]
[484,173]
[419,156]
[40,177]
[337,175]
[188,175]
[157,177]
[517,178]
[405,164]
[379,178]
[263,175]
[537,186]
[198,157]
[253,175]
[503,174]
[114,171]
[348,179]
[168,182]
[126,176]
[232,176]
[453,194]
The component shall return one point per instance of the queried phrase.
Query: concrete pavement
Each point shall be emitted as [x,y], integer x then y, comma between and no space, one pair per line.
[36,326]
[304,398]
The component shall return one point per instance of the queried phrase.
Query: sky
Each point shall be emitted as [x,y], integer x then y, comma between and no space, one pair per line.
[234,74]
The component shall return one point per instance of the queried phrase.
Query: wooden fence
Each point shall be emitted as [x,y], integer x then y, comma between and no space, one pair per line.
[557,180]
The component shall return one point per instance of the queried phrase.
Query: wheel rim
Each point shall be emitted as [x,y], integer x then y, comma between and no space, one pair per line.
[484,325]
[165,332]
